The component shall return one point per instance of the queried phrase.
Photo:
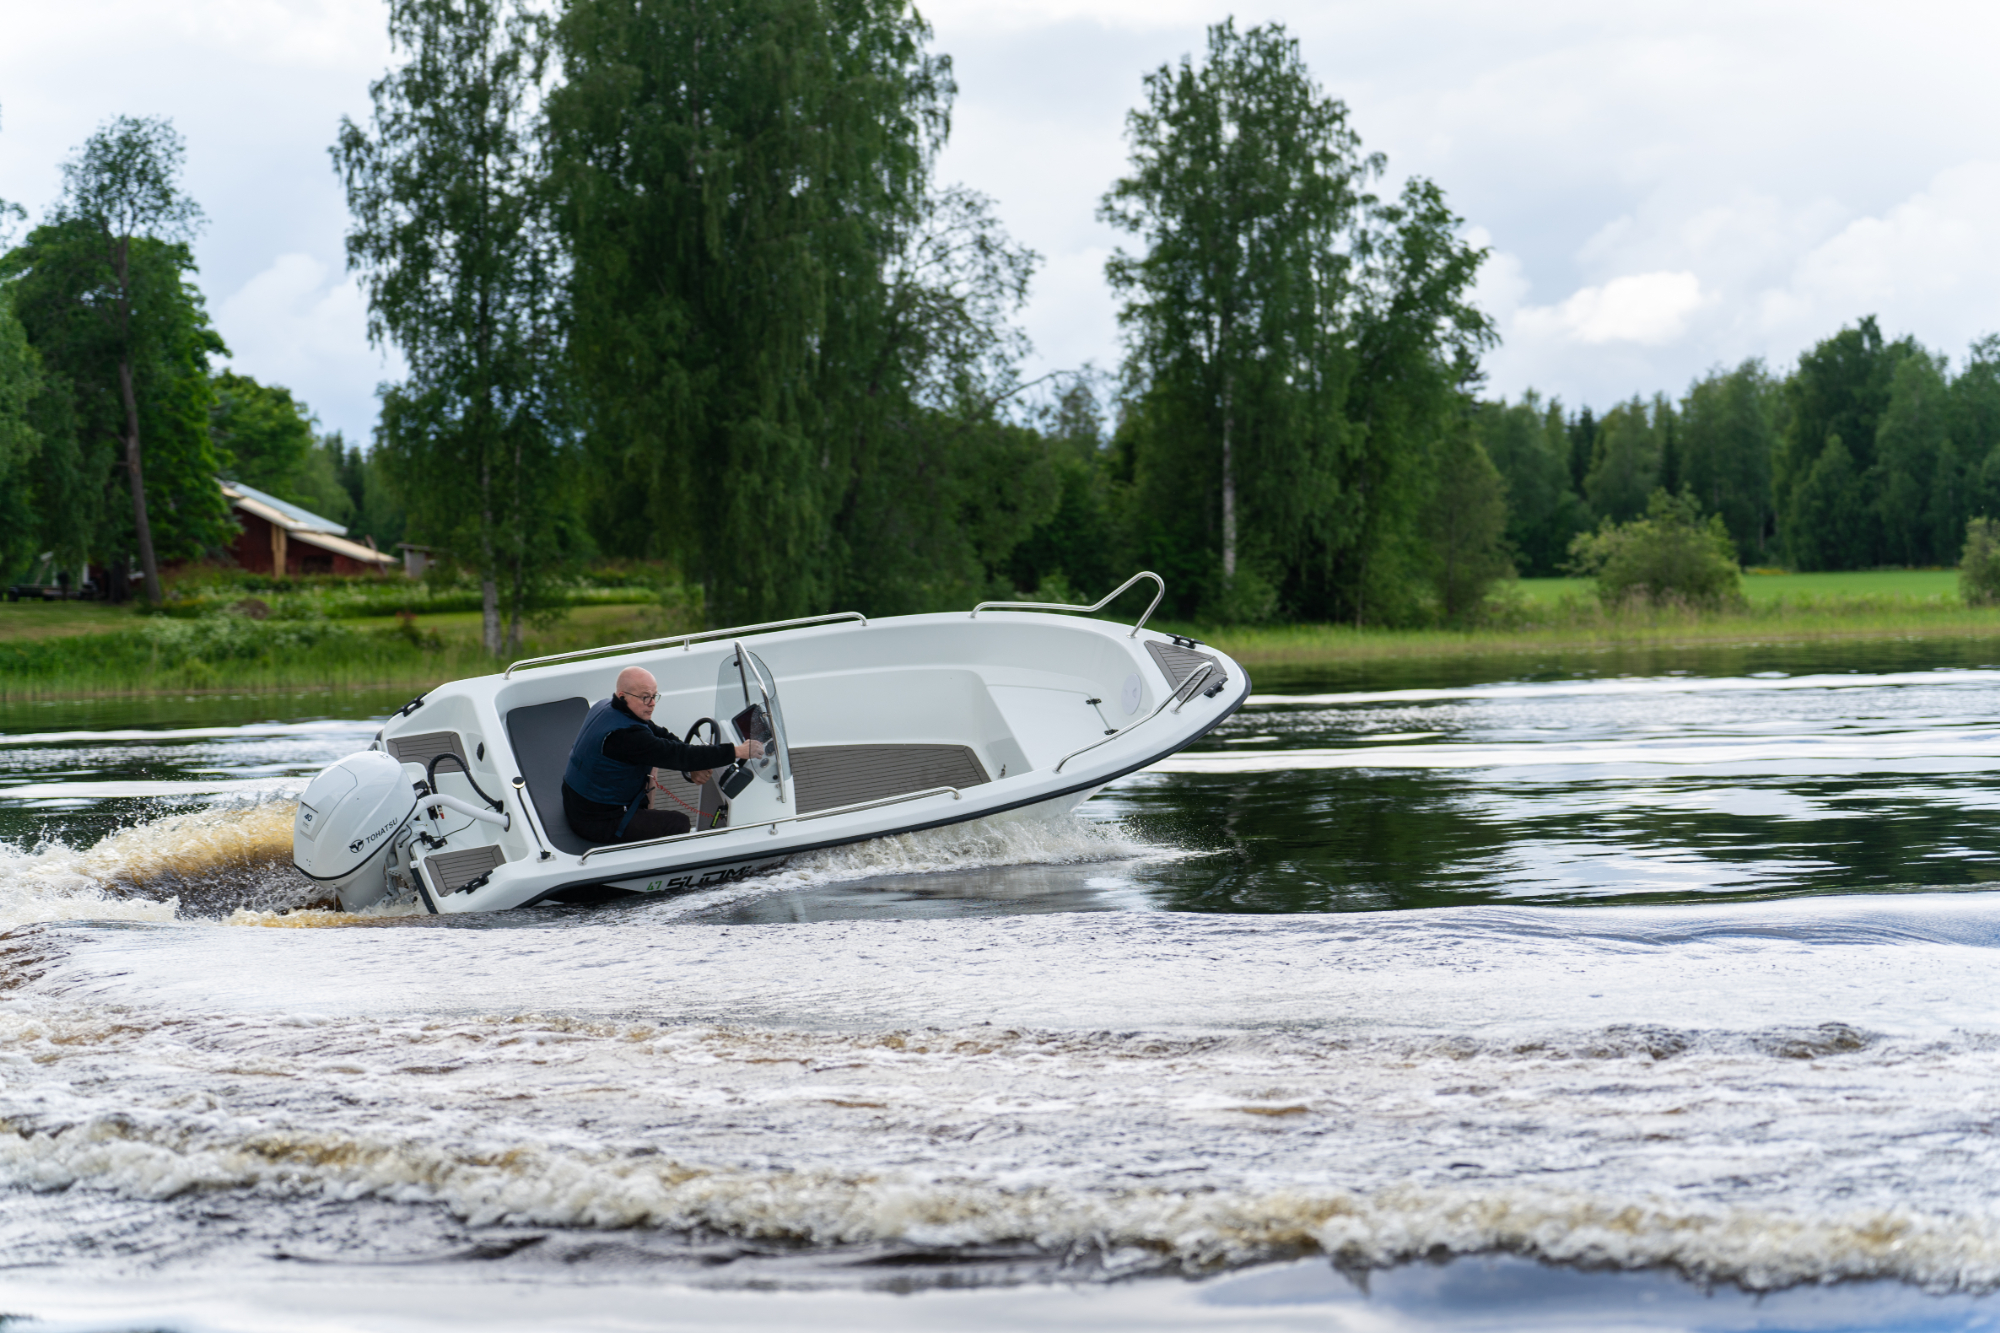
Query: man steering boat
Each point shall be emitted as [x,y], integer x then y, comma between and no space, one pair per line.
[612,761]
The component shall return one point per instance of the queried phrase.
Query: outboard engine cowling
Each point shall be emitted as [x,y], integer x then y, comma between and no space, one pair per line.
[348,820]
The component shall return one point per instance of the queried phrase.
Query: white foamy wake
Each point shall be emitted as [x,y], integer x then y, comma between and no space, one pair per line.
[1134,1229]
[980,844]
[1132,1153]
[144,872]
[1005,840]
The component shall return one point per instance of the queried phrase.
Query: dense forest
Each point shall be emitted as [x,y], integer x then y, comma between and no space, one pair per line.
[682,285]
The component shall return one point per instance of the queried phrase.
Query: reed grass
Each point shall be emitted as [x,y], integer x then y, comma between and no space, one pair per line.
[235,653]
[1581,623]
[109,651]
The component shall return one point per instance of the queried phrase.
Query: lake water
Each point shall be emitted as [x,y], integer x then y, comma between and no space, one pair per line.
[1482,995]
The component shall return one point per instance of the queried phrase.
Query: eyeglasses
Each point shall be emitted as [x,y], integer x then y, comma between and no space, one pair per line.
[642,698]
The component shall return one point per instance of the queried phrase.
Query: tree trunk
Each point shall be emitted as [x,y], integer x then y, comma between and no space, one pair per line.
[121,256]
[489,615]
[140,525]
[514,610]
[1228,481]
[489,591]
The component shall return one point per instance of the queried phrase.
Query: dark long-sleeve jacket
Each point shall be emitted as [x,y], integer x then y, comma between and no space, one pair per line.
[648,746]
[656,747]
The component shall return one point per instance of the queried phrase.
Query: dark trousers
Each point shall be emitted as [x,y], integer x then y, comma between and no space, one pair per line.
[594,821]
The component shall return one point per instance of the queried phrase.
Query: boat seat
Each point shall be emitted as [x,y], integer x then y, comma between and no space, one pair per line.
[831,775]
[542,735]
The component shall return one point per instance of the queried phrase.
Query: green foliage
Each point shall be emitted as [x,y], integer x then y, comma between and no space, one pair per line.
[66,290]
[1728,435]
[1296,346]
[1829,525]
[1919,508]
[1465,525]
[211,592]
[121,202]
[1979,563]
[1417,341]
[1672,556]
[1245,181]
[262,435]
[737,180]
[1077,548]
[209,653]
[20,442]
[1626,458]
[451,236]
[943,526]
[1530,444]
[1839,392]
[366,501]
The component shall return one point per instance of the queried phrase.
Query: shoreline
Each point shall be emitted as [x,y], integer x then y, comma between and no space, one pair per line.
[363,658]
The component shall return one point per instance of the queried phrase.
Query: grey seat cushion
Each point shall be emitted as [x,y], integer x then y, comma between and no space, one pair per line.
[542,735]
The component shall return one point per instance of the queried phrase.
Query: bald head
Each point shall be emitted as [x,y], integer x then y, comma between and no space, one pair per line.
[639,691]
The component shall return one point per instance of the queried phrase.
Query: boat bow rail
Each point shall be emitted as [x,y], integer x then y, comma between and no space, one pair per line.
[1108,599]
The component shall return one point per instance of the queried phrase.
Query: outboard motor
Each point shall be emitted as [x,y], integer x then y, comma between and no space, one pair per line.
[355,824]
[349,818]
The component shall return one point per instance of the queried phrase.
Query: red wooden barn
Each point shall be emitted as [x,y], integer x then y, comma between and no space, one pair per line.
[278,537]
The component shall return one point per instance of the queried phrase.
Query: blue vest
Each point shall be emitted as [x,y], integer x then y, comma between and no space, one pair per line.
[595,776]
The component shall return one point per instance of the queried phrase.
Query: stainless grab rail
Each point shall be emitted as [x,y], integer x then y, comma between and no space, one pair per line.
[954,792]
[1182,693]
[685,640]
[1108,600]
[528,817]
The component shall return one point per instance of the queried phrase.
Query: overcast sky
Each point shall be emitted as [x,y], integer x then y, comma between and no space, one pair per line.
[1664,188]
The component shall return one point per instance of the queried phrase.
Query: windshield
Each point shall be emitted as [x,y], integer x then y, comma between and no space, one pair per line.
[746,694]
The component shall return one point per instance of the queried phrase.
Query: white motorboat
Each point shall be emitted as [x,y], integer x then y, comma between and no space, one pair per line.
[872,728]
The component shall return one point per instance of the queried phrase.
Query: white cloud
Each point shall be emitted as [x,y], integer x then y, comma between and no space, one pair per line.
[1645,308]
[302,324]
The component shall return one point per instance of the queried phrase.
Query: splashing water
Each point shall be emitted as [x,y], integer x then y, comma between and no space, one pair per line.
[202,863]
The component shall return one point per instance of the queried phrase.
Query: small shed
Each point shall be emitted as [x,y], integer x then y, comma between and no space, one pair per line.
[281,538]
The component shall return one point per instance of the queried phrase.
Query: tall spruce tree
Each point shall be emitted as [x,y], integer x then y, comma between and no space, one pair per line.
[1529,445]
[451,238]
[1728,434]
[1839,391]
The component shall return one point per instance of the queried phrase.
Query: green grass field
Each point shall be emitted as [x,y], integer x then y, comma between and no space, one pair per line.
[1761,589]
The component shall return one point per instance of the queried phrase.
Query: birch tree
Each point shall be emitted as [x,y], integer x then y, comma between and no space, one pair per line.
[1245,181]
[462,272]
[735,179]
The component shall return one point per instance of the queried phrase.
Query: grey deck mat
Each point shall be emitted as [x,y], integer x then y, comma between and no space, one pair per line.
[542,735]
[1179,663]
[830,775]
[425,746]
[452,871]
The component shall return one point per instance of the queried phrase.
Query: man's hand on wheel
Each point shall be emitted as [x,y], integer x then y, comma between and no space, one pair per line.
[700,779]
